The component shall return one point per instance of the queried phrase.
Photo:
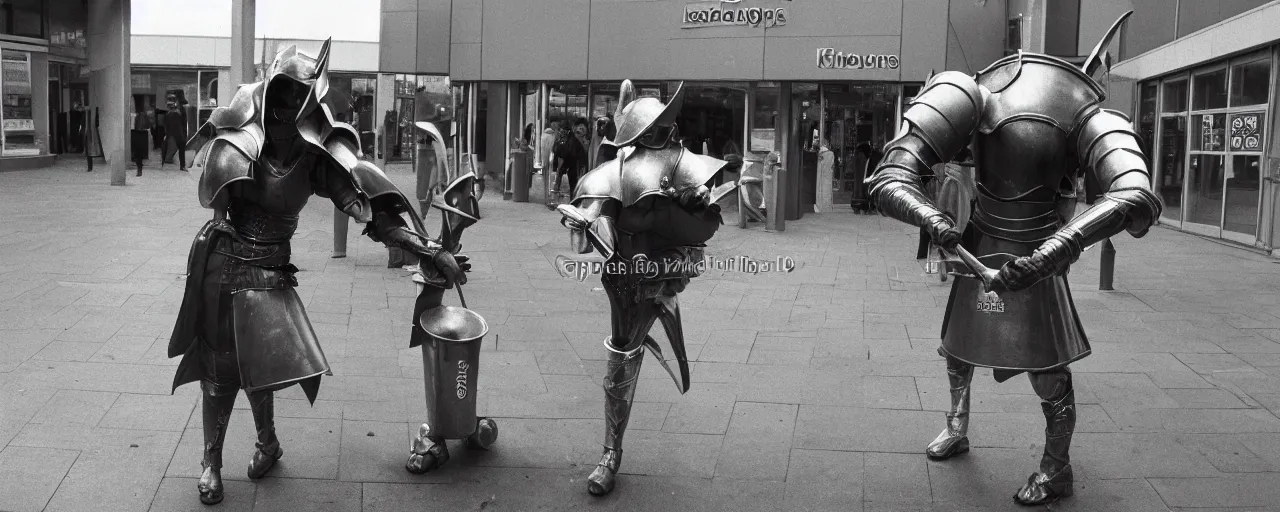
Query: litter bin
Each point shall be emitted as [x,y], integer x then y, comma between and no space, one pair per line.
[520,177]
[452,360]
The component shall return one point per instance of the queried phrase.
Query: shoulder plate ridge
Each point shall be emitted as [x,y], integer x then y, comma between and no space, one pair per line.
[223,162]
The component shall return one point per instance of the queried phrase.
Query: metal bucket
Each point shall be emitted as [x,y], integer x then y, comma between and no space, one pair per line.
[452,361]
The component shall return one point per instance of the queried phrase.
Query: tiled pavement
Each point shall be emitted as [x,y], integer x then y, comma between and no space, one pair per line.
[814,390]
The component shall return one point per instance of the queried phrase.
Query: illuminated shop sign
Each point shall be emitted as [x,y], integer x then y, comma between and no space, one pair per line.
[729,13]
[829,58]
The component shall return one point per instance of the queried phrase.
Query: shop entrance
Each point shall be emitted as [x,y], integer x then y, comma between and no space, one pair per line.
[712,122]
[857,122]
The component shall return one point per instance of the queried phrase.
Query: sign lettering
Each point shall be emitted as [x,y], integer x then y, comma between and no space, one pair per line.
[462,379]
[716,14]
[829,58]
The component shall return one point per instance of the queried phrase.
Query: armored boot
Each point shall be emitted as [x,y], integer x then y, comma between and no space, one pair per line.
[263,405]
[955,440]
[1055,479]
[620,379]
[427,452]
[218,402]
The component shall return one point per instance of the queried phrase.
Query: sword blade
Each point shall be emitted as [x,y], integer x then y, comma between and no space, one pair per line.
[980,271]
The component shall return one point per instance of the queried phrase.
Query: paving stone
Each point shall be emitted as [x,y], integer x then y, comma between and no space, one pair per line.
[759,434]
[1227,454]
[892,478]
[31,475]
[149,412]
[980,478]
[544,443]
[1205,398]
[76,408]
[859,429]
[123,348]
[740,494]
[179,494]
[655,453]
[1107,456]
[703,410]
[305,494]
[1122,494]
[825,480]
[1243,490]
[121,471]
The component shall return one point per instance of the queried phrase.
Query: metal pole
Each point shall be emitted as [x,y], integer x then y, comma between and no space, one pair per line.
[340,225]
[1107,273]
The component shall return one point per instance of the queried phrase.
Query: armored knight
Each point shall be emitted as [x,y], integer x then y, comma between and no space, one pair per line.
[1034,123]
[649,214]
[241,324]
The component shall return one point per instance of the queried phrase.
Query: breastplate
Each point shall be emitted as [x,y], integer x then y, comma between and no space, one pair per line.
[266,211]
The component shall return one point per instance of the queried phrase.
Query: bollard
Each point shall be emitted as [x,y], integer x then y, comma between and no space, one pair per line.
[1107,272]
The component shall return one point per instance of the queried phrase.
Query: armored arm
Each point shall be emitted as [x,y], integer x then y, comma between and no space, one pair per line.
[591,226]
[938,124]
[1109,149]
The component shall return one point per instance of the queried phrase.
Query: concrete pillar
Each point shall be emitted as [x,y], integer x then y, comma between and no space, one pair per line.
[226,90]
[384,101]
[243,17]
[109,83]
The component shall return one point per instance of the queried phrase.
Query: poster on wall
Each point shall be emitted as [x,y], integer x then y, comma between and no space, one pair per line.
[1210,135]
[1246,132]
[16,117]
[762,140]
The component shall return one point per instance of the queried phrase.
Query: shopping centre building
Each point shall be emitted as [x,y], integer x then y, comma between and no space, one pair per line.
[63,63]
[198,69]
[759,75]
[1199,79]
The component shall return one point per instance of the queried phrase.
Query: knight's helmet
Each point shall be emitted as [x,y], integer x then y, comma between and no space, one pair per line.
[646,121]
[460,210]
[297,82]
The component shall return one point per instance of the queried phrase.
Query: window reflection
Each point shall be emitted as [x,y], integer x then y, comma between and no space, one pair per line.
[1173,141]
[1175,96]
[1250,82]
[1210,90]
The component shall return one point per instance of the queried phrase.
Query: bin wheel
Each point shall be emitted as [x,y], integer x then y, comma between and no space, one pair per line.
[485,435]
[433,458]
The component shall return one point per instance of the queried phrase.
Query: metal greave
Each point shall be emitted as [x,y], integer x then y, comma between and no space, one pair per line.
[1058,402]
[218,403]
[262,403]
[954,440]
[621,374]
[960,376]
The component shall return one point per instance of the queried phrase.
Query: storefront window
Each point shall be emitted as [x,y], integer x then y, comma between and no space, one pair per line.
[857,121]
[68,21]
[208,89]
[1250,82]
[1173,143]
[764,119]
[1210,90]
[24,18]
[1175,96]
[1147,117]
[19,129]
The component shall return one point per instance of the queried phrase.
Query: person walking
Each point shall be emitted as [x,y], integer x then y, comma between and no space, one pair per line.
[175,131]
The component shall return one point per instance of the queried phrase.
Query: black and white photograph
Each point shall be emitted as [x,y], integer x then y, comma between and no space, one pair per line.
[800,255]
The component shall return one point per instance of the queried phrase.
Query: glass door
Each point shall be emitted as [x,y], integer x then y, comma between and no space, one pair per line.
[802,159]
[1242,190]
[1228,120]
[1207,167]
[857,121]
